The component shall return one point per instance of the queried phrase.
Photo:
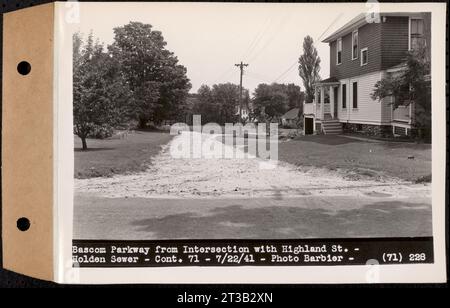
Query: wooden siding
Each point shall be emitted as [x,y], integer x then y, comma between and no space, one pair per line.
[427,31]
[370,38]
[394,43]
[387,43]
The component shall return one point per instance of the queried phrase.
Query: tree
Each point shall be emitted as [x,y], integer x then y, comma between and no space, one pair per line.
[157,82]
[270,101]
[295,96]
[205,105]
[226,97]
[98,90]
[411,85]
[219,103]
[309,68]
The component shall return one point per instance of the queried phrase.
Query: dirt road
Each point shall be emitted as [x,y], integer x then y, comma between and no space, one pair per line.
[195,198]
[212,177]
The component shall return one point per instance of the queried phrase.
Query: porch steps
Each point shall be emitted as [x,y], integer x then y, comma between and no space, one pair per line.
[332,127]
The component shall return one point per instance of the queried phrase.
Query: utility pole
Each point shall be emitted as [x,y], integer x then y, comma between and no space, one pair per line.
[241,67]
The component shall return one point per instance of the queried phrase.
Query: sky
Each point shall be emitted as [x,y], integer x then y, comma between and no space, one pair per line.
[210,38]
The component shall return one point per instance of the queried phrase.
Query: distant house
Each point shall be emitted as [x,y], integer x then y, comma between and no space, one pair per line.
[290,118]
[362,53]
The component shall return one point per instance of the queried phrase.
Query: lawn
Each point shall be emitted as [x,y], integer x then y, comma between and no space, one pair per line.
[407,161]
[118,156]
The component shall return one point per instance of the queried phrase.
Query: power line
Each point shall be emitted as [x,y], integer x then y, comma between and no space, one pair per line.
[334,21]
[286,71]
[281,23]
[257,76]
[251,47]
[225,73]
[257,38]
[296,61]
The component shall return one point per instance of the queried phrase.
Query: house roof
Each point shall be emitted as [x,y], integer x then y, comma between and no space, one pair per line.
[329,80]
[291,114]
[347,28]
[359,21]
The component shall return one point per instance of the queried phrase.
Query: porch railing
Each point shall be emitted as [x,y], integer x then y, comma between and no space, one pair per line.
[308,108]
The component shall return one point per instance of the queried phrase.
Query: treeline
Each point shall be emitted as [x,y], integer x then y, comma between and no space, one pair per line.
[219,103]
[271,101]
[136,81]
[133,80]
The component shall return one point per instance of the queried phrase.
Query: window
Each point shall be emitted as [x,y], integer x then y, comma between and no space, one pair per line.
[401,131]
[355,95]
[416,33]
[326,95]
[355,45]
[344,96]
[339,51]
[364,56]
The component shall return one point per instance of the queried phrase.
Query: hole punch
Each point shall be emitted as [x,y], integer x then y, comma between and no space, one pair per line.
[24,68]
[23,224]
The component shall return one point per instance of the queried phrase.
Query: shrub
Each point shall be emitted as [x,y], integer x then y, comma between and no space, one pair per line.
[101,131]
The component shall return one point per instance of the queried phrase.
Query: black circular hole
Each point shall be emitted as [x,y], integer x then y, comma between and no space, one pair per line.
[23,224]
[24,68]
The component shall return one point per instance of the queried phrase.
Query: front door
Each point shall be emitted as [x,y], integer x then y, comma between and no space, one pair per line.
[336,98]
[309,126]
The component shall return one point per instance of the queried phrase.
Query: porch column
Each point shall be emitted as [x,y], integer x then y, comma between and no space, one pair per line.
[315,102]
[322,101]
[332,101]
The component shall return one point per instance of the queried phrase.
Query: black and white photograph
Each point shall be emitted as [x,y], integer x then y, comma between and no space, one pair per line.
[224,143]
[275,126]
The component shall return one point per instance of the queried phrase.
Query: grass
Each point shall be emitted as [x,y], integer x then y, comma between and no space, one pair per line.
[118,156]
[407,161]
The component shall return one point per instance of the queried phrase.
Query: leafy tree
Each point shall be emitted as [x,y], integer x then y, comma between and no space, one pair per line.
[158,84]
[270,101]
[226,96]
[295,97]
[309,68]
[205,105]
[411,85]
[219,103]
[98,89]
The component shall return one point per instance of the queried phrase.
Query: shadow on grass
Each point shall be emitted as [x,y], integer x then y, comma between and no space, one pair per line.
[381,219]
